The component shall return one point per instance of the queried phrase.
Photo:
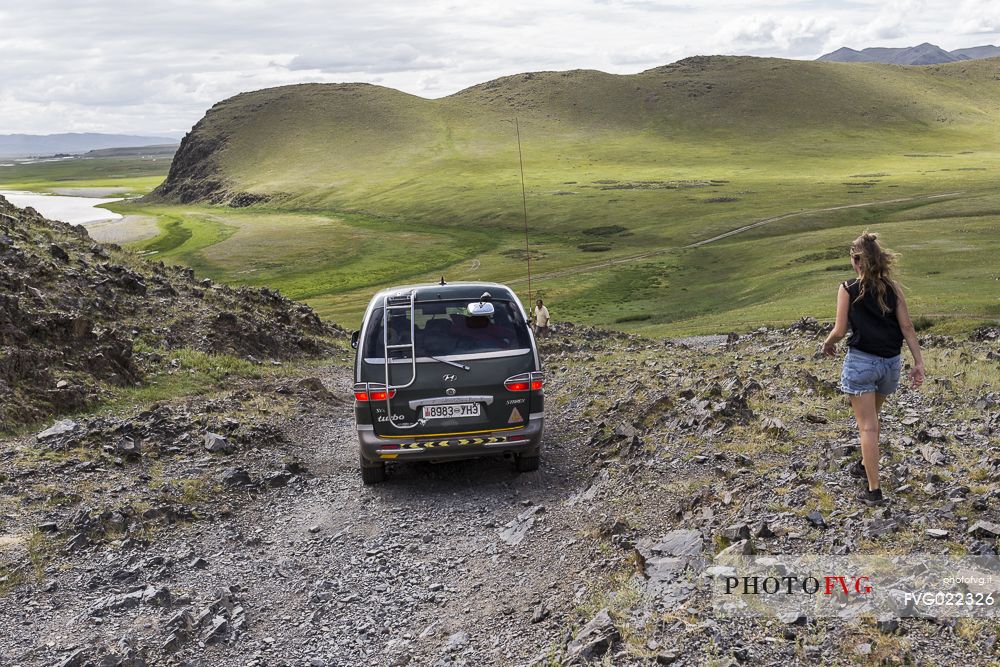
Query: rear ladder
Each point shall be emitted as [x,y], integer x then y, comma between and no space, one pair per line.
[396,302]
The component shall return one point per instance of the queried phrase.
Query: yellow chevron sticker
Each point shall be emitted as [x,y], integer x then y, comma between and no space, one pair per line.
[438,444]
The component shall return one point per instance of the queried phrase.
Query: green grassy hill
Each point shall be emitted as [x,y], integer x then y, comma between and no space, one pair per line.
[352,186]
[344,144]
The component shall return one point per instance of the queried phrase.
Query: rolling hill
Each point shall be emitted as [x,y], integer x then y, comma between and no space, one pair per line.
[17,145]
[635,185]
[340,144]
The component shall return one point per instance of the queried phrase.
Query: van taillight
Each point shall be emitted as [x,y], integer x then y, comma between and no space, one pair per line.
[370,392]
[525,381]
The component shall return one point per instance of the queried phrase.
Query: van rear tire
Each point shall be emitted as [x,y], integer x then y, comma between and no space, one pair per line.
[372,474]
[526,463]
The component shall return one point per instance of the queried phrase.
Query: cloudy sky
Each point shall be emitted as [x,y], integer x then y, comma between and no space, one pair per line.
[123,66]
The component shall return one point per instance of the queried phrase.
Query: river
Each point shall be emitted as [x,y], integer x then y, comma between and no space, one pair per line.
[72,209]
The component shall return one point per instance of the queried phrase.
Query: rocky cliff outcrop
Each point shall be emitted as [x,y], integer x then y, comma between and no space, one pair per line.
[194,174]
[78,317]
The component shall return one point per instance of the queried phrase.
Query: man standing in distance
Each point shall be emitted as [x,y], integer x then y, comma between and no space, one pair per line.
[541,320]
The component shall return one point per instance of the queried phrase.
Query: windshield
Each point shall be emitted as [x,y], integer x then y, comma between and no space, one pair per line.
[445,327]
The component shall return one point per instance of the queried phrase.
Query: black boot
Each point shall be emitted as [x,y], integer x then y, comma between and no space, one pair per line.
[869,497]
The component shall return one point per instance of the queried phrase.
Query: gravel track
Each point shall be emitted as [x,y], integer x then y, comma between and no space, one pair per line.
[330,572]
[647,443]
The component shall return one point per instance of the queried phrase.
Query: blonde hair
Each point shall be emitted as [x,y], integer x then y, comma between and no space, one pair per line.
[876,266]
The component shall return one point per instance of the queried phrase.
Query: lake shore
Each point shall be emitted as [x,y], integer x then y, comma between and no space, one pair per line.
[74,210]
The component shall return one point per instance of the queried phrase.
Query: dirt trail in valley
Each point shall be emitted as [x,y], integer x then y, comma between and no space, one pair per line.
[587,268]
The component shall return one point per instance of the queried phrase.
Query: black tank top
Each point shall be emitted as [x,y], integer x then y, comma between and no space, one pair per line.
[873,331]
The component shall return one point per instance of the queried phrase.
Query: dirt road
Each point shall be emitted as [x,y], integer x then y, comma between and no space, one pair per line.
[326,571]
[587,268]
[654,450]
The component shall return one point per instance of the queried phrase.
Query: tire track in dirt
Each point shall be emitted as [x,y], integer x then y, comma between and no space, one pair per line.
[739,230]
[415,555]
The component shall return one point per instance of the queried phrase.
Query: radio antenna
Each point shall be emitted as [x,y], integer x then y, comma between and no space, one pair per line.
[524,205]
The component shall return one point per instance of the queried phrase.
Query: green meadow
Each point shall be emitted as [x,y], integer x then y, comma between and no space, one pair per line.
[137,175]
[625,175]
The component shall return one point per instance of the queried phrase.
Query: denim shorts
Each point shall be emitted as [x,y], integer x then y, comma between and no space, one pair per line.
[864,373]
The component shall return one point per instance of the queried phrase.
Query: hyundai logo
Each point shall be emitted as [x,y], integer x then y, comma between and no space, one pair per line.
[448,377]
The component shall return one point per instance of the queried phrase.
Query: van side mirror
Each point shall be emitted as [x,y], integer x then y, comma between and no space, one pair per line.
[354,339]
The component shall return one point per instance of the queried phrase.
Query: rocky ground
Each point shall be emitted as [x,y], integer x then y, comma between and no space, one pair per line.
[234,529]
[201,504]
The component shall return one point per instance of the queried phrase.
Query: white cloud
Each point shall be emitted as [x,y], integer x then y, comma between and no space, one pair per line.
[789,35]
[366,57]
[894,20]
[977,17]
[120,66]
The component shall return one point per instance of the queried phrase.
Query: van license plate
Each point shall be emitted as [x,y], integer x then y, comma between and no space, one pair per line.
[452,411]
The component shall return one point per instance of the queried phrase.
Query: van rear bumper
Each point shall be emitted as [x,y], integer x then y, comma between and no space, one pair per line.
[376,450]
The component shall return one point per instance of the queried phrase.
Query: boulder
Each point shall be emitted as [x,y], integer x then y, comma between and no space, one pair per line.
[61,427]
[216,443]
[816,519]
[236,477]
[679,543]
[593,640]
[986,529]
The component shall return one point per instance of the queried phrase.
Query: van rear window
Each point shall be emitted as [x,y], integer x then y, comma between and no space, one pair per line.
[445,327]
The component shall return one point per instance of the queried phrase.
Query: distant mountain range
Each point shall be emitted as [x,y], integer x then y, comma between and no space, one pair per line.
[922,54]
[23,145]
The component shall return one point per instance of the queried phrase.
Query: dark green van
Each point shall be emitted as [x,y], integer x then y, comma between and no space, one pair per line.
[446,371]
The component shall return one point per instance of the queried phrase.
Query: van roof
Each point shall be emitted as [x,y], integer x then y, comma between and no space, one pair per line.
[436,291]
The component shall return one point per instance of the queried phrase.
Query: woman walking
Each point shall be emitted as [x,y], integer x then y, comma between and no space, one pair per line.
[874,306]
